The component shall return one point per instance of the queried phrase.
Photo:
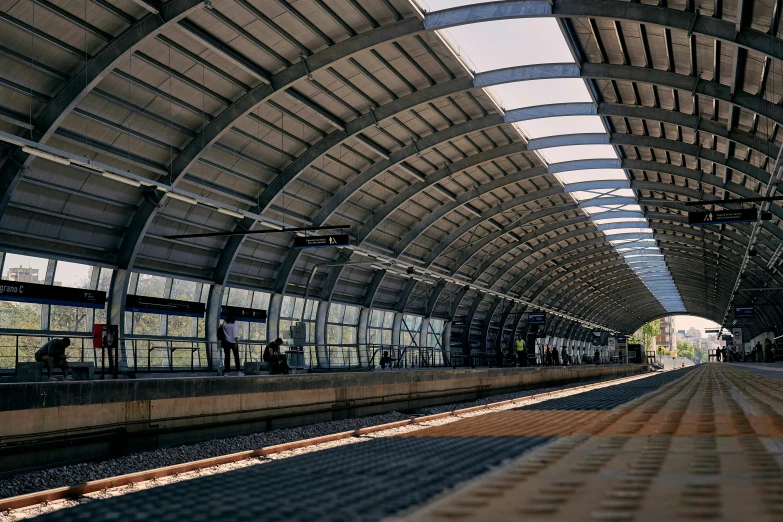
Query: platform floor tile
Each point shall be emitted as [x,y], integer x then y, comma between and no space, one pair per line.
[707,446]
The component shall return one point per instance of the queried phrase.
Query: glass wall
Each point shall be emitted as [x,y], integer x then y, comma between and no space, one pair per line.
[434,336]
[291,312]
[380,329]
[410,329]
[29,325]
[248,299]
[342,324]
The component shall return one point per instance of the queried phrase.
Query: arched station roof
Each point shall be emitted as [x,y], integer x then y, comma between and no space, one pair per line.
[234,114]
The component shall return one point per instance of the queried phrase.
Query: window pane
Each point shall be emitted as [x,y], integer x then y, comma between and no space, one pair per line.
[336,312]
[104,281]
[25,268]
[69,319]
[287,308]
[20,315]
[179,326]
[72,275]
[261,300]
[146,324]
[239,297]
[333,334]
[388,319]
[376,318]
[349,334]
[351,315]
[183,290]
[151,286]
[298,308]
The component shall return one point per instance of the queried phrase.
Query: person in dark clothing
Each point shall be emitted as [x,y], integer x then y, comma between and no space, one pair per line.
[386,361]
[547,357]
[555,356]
[277,361]
[53,353]
[597,357]
[718,354]
[566,357]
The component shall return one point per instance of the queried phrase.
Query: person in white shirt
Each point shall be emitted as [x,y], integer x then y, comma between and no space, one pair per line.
[230,340]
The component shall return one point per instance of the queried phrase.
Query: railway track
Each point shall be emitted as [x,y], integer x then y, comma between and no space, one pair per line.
[23,502]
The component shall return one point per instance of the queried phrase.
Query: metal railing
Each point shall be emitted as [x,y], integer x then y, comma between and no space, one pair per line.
[156,354]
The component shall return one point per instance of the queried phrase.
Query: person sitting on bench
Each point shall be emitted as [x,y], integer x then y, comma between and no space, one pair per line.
[53,353]
[276,360]
[386,361]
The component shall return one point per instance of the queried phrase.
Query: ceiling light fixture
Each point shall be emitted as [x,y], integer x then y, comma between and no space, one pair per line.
[121,179]
[46,155]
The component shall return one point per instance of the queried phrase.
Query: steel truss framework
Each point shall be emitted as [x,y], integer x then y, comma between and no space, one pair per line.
[549,254]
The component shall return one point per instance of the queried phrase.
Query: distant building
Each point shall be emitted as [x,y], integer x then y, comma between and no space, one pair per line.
[666,339]
[694,334]
[23,275]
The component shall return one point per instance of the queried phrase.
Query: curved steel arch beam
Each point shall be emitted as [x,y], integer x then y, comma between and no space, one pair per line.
[692,23]
[638,165]
[355,184]
[244,105]
[606,71]
[82,83]
[642,112]
[609,71]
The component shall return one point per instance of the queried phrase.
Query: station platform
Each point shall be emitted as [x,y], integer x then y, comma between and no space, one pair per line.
[702,443]
[50,423]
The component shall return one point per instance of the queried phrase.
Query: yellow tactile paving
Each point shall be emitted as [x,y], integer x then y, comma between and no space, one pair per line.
[708,446]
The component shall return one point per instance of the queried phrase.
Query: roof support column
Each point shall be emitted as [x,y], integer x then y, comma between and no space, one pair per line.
[211,325]
[321,350]
[445,343]
[396,327]
[361,335]
[115,314]
[273,317]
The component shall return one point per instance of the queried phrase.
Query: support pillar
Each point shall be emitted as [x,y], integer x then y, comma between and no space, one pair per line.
[273,317]
[115,314]
[396,327]
[321,351]
[445,343]
[361,336]
[211,325]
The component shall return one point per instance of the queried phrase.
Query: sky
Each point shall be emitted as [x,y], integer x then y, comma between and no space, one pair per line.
[684,322]
[500,44]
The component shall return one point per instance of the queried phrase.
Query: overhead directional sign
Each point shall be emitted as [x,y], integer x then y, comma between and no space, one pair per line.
[536,319]
[157,305]
[57,295]
[332,240]
[743,312]
[719,217]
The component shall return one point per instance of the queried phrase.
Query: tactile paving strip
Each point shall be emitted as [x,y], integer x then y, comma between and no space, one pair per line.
[373,479]
[708,446]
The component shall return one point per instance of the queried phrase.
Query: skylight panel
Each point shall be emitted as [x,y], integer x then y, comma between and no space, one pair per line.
[615,231]
[578,176]
[578,152]
[559,125]
[528,41]
[542,92]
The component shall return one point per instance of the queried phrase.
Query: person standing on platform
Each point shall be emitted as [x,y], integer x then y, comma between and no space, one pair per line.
[520,351]
[53,353]
[547,357]
[718,354]
[555,356]
[565,356]
[230,343]
[597,357]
